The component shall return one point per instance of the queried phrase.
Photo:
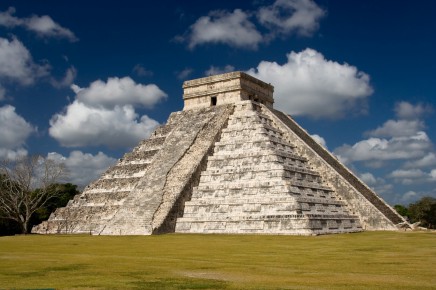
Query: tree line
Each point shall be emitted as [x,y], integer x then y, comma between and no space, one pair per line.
[422,211]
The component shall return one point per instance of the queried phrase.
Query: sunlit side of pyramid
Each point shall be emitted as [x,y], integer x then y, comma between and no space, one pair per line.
[227,163]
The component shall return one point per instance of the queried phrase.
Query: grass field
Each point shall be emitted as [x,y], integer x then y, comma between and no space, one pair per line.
[370,260]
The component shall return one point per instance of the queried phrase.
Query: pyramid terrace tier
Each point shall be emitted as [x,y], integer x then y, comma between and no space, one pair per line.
[273,224]
[252,189]
[269,205]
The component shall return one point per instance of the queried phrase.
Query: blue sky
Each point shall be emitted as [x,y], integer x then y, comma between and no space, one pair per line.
[85,81]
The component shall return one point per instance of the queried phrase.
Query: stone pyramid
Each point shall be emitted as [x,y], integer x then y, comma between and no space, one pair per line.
[227,163]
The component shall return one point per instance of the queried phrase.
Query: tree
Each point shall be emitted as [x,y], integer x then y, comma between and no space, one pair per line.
[25,187]
[402,210]
[62,193]
[424,211]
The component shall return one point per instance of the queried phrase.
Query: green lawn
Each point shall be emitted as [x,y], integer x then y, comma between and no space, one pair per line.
[376,260]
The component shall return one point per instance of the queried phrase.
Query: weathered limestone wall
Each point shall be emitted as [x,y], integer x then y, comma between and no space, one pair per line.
[145,210]
[226,88]
[254,183]
[91,210]
[373,212]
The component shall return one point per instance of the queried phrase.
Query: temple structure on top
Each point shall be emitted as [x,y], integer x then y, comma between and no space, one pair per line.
[225,89]
[228,163]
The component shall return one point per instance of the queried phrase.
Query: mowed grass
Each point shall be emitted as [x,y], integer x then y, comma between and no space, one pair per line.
[370,260]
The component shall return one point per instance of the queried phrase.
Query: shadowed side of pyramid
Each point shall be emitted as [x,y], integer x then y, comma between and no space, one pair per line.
[227,163]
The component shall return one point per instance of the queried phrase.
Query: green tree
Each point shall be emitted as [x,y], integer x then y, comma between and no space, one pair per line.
[62,193]
[26,187]
[424,211]
[402,210]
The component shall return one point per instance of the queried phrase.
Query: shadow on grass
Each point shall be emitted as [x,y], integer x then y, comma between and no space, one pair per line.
[180,284]
[47,270]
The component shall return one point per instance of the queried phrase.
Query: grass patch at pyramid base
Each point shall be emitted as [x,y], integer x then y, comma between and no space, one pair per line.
[378,260]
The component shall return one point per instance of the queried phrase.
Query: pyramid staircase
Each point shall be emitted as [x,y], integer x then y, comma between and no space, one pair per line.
[256,182]
[90,211]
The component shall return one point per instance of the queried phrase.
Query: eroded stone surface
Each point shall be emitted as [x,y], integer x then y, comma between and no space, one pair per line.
[227,163]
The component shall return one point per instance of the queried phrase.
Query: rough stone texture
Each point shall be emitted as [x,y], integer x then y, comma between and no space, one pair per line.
[138,195]
[374,213]
[256,183]
[226,88]
[227,163]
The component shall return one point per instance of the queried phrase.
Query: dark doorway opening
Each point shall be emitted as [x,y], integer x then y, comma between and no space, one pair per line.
[213,101]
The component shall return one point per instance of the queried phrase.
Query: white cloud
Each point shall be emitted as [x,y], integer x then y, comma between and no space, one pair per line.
[235,28]
[12,154]
[433,175]
[16,63]
[310,85]
[42,25]
[368,178]
[408,197]
[231,28]
[426,161]
[67,80]
[319,139]
[407,174]
[405,110]
[14,131]
[398,128]
[376,149]
[84,167]
[413,176]
[182,75]
[378,184]
[83,125]
[215,70]
[119,92]
[103,114]
[291,16]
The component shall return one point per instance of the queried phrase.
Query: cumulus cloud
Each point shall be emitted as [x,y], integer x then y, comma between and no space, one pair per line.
[238,29]
[409,196]
[16,63]
[426,161]
[402,139]
[378,184]
[407,174]
[433,175]
[397,128]
[291,16]
[413,176]
[406,110]
[83,167]
[119,91]
[368,178]
[319,139]
[231,28]
[185,73]
[82,125]
[14,130]
[215,70]
[396,148]
[103,114]
[310,85]
[43,26]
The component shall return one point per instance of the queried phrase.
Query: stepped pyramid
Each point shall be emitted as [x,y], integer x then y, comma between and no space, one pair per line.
[228,163]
